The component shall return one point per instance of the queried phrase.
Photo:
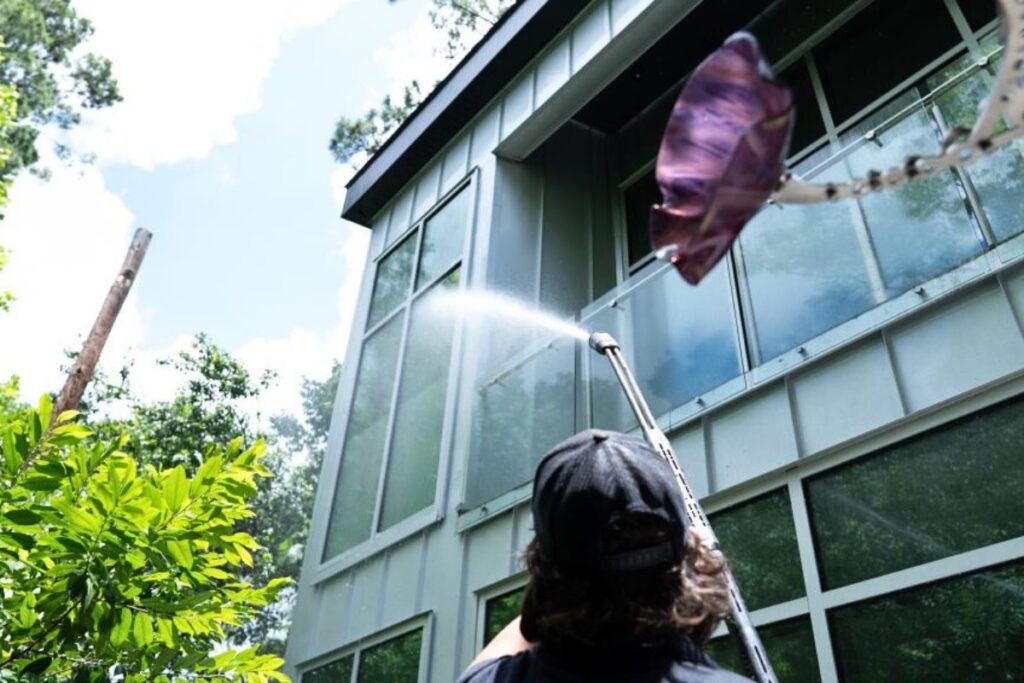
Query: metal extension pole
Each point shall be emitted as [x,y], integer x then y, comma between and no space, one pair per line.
[739,618]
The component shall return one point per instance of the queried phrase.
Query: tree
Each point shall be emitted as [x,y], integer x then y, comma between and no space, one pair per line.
[8,112]
[51,86]
[463,22]
[208,409]
[114,571]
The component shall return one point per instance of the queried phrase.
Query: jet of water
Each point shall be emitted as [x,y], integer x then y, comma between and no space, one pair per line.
[482,303]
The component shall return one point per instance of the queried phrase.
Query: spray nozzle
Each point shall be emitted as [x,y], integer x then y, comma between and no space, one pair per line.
[602,341]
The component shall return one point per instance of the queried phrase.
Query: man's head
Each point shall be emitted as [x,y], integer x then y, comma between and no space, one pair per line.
[612,559]
[591,481]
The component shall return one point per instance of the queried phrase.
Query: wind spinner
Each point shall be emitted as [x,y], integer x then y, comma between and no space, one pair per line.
[722,155]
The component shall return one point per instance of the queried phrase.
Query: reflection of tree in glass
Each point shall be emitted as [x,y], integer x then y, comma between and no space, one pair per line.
[354,497]
[500,611]
[443,237]
[961,629]
[805,269]
[335,672]
[920,229]
[789,644]
[391,285]
[393,661]
[998,177]
[759,539]
[517,418]
[953,489]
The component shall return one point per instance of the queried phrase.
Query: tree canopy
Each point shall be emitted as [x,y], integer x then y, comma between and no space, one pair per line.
[52,82]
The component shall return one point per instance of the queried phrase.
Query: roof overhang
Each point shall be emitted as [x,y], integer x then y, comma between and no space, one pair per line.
[517,38]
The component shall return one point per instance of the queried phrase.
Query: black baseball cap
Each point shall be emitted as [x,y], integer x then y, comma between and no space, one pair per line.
[586,483]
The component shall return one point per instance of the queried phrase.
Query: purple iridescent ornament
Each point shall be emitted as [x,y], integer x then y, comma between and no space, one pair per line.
[721,156]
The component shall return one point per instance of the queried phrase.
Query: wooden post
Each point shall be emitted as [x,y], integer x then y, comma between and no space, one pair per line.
[85,364]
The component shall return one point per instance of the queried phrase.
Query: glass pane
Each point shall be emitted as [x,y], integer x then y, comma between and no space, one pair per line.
[808,126]
[998,177]
[882,46]
[978,12]
[806,268]
[393,661]
[443,237]
[953,489]
[759,539]
[419,420]
[500,611]
[335,672]
[680,339]
[921,229]
[639,198]
[354,498]
[391,286]
[962,629]
[519,415]
[789,644]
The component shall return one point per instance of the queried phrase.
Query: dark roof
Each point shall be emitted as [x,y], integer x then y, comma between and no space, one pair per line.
[514,40]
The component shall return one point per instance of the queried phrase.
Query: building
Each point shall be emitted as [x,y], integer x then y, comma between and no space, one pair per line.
[845,390]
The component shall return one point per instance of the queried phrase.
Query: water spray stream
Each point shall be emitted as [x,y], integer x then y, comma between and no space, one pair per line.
[481,303]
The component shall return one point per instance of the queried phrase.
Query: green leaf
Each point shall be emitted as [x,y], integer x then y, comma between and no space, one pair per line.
[23,517]
[67,416]
[38,666]
[120,632]
[165,630]
[180,552]
[45,410]
[142,630]
[175,488]
[41,484]
[16,538]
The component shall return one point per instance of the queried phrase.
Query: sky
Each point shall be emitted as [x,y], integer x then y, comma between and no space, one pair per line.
[220,150]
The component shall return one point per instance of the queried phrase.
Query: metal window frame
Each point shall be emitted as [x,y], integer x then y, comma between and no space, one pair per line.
[484,595]
[378,539]
[423,622]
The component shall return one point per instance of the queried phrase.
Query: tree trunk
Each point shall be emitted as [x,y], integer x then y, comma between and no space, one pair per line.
[85,364]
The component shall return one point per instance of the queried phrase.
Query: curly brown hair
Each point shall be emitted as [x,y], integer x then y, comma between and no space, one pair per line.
[644,606]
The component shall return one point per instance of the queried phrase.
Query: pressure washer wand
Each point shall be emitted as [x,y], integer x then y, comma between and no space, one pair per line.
[739,618]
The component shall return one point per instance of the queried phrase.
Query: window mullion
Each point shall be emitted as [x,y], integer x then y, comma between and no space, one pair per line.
[966,34]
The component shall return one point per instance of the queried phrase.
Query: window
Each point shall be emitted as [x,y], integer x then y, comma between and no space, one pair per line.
[961,629]
[393,661]
[639,197]
[499,611]
[789,644]
[953,489]
[393,440]
[759,540]
[681,342]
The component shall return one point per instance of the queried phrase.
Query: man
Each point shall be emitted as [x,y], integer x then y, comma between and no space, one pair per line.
[619,589]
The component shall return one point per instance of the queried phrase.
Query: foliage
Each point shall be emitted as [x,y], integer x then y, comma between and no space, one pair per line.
[463,22]
[52,86]
[8,112]
[208,409]
[112,571]
[369,132]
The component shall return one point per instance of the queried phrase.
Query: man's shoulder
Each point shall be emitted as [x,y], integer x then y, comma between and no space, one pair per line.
[508,669]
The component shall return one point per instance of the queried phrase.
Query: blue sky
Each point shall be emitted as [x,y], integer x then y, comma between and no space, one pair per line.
[220,150]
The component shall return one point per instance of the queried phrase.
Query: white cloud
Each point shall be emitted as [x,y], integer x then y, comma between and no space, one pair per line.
[68,237]
[414,54]
[187,71]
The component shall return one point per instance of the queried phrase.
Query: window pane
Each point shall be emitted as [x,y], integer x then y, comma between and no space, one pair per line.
[500,611]
[808,125]
[880,48]
[806,269]
[639,198]
[335,672]
[393,661]
[392,283]
[998,177]
[790,647]
[519,415]
[978,12]
[681,341]
[443,237]
[354,498]
[759,540]
[921,229]
[962,629]
[953,489]
[416,437]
